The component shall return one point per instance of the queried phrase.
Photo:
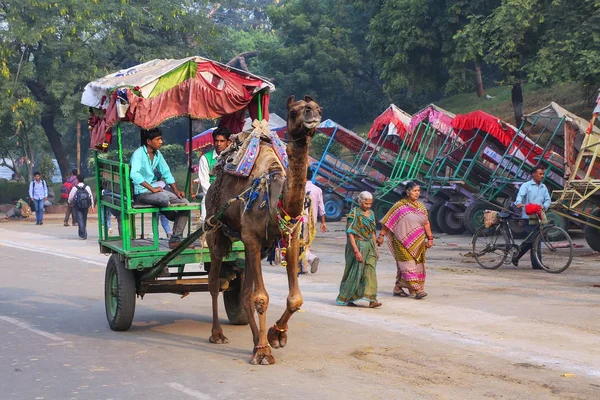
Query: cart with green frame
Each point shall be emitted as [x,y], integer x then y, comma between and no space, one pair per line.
[417,148]
[146,95]
[462,165]
[550,137]
[579,200]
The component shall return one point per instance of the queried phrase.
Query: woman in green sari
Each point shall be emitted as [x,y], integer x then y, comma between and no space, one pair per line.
[360,278]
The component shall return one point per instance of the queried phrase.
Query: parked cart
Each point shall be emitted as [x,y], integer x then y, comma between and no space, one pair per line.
[348,165]
[462,165]
[541,140]
[579,200]
[417,147]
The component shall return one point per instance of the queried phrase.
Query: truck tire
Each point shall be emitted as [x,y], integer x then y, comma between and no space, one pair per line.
[449,222]
[592,235]
[558,220]
[433,213]
[381,209]
[334,207]
[473,219]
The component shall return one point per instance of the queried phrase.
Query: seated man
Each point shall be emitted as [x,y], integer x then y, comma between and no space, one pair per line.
[20,209]
[144,161]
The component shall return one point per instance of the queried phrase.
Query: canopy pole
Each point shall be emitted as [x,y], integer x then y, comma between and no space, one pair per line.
[260,110]
[120,143]
[188,183]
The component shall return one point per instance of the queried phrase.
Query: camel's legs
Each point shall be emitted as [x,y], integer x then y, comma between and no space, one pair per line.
[260,303]
[214,288]
[277,334]
[247,295]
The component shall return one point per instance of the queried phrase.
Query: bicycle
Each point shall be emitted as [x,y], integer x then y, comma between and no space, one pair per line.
[493,245]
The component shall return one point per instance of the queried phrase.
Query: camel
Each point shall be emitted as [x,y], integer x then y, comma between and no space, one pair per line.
[282,199]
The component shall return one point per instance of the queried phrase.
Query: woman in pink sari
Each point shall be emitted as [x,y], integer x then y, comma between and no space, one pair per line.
[408,233]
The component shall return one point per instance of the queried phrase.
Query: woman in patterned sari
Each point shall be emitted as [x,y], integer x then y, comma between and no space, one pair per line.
[408,233]
[360,279]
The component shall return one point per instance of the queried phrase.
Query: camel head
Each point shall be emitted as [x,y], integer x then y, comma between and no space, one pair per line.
[303,118]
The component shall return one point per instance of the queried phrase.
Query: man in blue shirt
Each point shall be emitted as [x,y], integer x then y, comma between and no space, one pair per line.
[533,191]
[144,161]
[38,192]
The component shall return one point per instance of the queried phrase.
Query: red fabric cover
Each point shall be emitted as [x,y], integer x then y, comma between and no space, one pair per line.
[195,97]
[235,122]
[386,118]
[346,138]
[531,209]
[200,141]
[101,132]
[467,125]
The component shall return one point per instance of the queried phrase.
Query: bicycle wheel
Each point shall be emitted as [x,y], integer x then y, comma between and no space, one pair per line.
[554,249]
[491,246]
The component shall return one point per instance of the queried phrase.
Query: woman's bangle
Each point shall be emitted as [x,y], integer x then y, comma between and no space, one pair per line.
[429,237]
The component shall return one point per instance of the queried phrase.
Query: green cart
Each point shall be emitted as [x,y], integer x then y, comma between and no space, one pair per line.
[146,95]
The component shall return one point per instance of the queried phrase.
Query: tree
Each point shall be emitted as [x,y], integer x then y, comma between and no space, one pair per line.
[468,43]
[322,52]
[407,40]
[570,53]
[51,50]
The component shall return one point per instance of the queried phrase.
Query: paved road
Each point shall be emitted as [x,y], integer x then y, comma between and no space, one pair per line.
[509,333]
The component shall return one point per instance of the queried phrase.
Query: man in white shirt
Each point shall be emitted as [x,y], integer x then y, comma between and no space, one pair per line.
[318,211]
[207,162]
[81,199]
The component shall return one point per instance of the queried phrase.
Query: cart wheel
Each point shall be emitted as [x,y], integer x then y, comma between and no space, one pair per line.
[592,235]
[334,207]
[236,313]
[474,216]
[119,294]
[449,221]
[433,213]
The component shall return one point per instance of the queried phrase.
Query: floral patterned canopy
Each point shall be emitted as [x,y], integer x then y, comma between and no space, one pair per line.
[148,94]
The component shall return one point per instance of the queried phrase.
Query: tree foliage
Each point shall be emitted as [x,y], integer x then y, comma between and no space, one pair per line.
[353,56]
[50,50]
[322,52]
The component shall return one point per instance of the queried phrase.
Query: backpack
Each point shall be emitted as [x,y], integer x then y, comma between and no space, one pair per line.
[65,189]
[43,182]
[25,209]
[82,198]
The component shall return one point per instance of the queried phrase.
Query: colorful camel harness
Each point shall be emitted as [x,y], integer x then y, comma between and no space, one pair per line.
[239,159]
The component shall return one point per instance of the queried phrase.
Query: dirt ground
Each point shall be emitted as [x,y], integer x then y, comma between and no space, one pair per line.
[511,333]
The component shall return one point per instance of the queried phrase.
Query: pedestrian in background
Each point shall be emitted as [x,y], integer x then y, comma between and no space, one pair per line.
[38,193]
[317,210]
[406,227]
[20,209]
[360,277]
[65,190]
[82,200]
